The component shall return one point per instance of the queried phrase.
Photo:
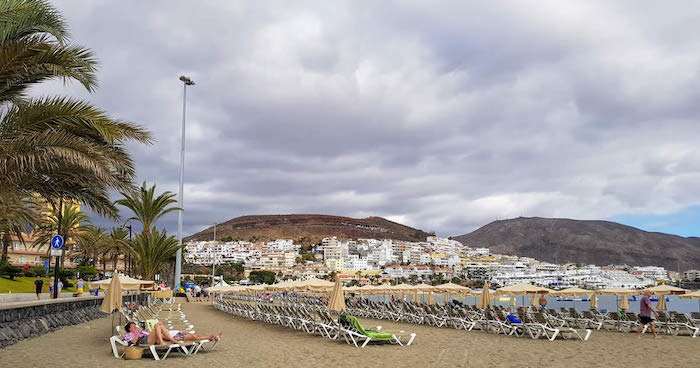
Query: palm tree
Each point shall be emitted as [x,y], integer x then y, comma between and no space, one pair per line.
[55,146]
[153,249]
[147,207]
[17,215]
[117,245]
[72,219]
[90,242]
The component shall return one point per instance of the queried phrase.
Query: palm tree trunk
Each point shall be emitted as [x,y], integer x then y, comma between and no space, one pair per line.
[5,245]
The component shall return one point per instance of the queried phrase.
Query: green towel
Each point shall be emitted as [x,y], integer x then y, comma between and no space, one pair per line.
[376,335]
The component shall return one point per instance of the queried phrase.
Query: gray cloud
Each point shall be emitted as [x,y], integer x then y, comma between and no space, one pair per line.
[441,117]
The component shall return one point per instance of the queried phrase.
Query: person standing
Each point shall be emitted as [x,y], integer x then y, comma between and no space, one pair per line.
[60,287]
[543,301]
[51,287]
[38,286]
[645,311]
[80,286]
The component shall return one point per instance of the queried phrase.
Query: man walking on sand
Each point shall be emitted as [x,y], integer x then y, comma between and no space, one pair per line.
[645,310]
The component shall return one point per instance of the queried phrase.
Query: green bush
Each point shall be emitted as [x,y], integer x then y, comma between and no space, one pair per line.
[28,273]
[86,272]
[9,271]
[40,271]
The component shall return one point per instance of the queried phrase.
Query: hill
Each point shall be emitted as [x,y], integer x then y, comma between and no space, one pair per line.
[309,229]
[590,242]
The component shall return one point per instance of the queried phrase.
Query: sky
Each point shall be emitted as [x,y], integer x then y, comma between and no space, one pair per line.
[442,116]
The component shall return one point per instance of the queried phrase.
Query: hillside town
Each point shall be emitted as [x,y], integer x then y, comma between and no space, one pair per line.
[386,260]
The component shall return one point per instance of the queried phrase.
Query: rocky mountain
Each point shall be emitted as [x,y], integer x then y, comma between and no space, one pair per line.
[589,242]
[309,229]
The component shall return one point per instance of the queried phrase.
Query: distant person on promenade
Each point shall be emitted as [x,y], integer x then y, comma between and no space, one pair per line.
[80,286]
[51,287]
[60,287]
[38,286]
[543,301]
[645,311]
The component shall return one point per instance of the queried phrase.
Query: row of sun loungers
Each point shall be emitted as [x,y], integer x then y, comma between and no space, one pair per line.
[173,318]
[493,320]
[314,320]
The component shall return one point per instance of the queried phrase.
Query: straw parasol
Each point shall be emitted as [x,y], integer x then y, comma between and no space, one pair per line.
[618,292]
[453,289]
[126,282]
[664,290]
[485,297]
[593,302]
[535,301]
[693,295]
[337,300]
[113,299]
[624,302]
[314,284]
[431,298]
[522,289]
[667,289]
[574,291]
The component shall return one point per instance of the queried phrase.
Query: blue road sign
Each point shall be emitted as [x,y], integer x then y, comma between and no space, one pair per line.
[56,242]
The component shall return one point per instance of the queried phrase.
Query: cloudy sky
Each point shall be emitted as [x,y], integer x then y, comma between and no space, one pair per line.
[440,116]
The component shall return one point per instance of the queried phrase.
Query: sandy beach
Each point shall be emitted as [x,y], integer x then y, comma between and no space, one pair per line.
[255,344]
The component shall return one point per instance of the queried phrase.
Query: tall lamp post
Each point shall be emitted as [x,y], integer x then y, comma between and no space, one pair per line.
[186,81]
[128,265]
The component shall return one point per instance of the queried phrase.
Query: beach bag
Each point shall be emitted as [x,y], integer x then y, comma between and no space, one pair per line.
[133,353]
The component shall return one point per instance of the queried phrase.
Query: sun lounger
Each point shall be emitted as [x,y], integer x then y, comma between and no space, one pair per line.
[119,339]
[353,333]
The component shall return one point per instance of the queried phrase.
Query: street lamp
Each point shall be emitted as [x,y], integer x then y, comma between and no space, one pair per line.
[128,265]
[186,81]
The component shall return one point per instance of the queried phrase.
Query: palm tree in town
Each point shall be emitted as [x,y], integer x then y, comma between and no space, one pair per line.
[147,206]
[90,242]
[58,147]
[17,215]
[117,245]
[153,250]
[72,218]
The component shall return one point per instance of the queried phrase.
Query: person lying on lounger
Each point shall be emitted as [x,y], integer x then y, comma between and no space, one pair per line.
[159,335]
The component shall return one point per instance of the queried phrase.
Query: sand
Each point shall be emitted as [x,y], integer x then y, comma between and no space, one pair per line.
[255,344]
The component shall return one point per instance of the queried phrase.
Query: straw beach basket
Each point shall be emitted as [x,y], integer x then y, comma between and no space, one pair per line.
[133,353]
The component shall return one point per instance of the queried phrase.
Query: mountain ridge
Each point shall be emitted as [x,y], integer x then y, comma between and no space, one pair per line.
[309,228]
[597,242]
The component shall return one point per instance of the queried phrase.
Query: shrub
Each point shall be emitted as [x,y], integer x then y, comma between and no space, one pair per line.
[8,270]
[86,272]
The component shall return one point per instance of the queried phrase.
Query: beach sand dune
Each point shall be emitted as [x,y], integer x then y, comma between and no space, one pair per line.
[255,344]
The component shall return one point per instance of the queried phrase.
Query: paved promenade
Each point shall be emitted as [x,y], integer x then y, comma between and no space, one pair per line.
[254,344]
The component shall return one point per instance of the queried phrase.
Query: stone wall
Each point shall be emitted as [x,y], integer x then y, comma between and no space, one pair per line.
[20,321]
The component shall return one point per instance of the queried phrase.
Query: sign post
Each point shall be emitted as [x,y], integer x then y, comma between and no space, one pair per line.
[56,245]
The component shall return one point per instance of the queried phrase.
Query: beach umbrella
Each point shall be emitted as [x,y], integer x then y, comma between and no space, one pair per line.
[126,283]
[593,302]
[113,299]
[337,300]
[693,295]
[624,302]
[667,289]
[535,301]
[453,289]
[484,297]
[523,289]
[664,290]
[662,303]
[571,292]
[431,298]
